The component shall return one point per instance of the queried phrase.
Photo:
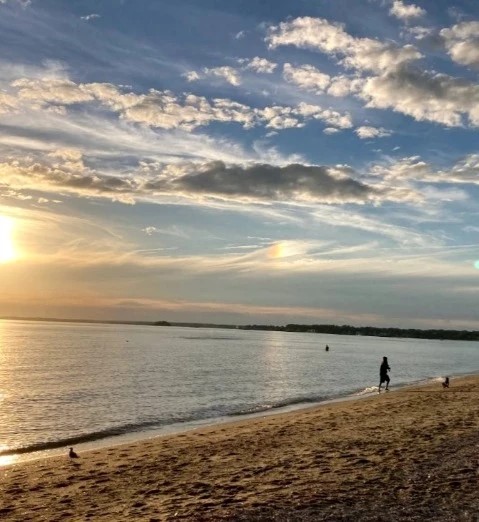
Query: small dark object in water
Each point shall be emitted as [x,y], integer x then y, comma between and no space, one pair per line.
[327,348]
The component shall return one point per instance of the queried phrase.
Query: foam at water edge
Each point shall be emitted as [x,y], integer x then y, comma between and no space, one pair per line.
[369,389]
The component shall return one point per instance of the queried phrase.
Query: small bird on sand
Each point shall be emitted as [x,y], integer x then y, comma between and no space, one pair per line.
[72,454]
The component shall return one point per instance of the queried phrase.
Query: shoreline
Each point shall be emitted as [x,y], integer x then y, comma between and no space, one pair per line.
[412,454]
[20,455]
[176,429]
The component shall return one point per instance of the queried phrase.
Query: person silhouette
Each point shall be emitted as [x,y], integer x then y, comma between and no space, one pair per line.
[383,374]
[327,348]
[445,384]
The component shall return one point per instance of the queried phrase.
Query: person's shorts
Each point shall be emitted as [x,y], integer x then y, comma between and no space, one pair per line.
[384,378]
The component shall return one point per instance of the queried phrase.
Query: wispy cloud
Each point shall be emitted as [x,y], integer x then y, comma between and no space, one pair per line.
[23,3]
[229,74]
[89,17]
[368,132]
[259,65]
[162,109]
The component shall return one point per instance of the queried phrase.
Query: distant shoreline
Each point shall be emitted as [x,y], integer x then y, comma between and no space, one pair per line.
[400,333]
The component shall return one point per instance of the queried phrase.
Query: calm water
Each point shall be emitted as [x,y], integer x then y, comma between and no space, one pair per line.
[64,383]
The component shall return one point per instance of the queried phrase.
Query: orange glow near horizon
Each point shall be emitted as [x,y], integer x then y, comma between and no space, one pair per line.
[7,250]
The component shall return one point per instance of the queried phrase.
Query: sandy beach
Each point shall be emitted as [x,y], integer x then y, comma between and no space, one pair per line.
[410,454]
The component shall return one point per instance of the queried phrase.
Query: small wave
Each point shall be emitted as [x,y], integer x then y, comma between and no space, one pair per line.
[258,408]
[114,431]
[79,439]
[365,391]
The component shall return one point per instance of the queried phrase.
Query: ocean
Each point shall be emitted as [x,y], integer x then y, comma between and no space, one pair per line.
[86,385]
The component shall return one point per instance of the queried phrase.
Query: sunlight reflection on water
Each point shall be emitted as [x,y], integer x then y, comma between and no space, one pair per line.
[5,460]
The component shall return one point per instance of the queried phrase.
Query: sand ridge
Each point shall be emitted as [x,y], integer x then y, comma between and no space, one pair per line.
[411,454]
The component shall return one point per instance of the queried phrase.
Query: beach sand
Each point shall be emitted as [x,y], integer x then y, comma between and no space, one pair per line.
[410,454]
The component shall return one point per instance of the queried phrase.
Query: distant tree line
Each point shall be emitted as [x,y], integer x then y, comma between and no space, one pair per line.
[455,335]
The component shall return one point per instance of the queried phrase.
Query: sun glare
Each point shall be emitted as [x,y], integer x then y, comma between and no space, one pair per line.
[7,252]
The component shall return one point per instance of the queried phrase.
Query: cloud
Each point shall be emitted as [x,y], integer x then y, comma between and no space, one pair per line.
[260,65]
[174,231]
[64,172]
[311,79]
[426,96]
[464,171]
[418,32]
[262,182]
[362,54]
[70,155]
[346,219]
[163,109]
[52,90]
[89,17]
[23,3]
[8,103]
[406,12]
[149,231]
[330,117]
[330,130]
[408,168]
[470,228]
[192,76]
[419,256]
[341,86]
[396,82]
[366,132]
[114,145]
[307,77]
[229,74]
[462,43]
[65,176]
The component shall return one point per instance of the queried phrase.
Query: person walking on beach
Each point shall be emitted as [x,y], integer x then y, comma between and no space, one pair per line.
[383,374]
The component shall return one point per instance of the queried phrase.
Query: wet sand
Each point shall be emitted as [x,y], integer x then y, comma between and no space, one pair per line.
[411,454]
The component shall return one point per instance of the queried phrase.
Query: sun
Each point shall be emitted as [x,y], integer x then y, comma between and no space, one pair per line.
[7,251]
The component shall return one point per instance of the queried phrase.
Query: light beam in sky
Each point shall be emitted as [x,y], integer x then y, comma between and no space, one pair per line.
[7,251]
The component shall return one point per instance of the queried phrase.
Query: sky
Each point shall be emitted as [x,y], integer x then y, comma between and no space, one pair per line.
[239,162]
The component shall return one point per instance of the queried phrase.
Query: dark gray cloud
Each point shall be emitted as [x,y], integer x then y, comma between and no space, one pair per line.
[254,183]
[271,183]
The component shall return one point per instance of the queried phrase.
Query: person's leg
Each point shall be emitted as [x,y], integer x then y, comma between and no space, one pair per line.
[387,382]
